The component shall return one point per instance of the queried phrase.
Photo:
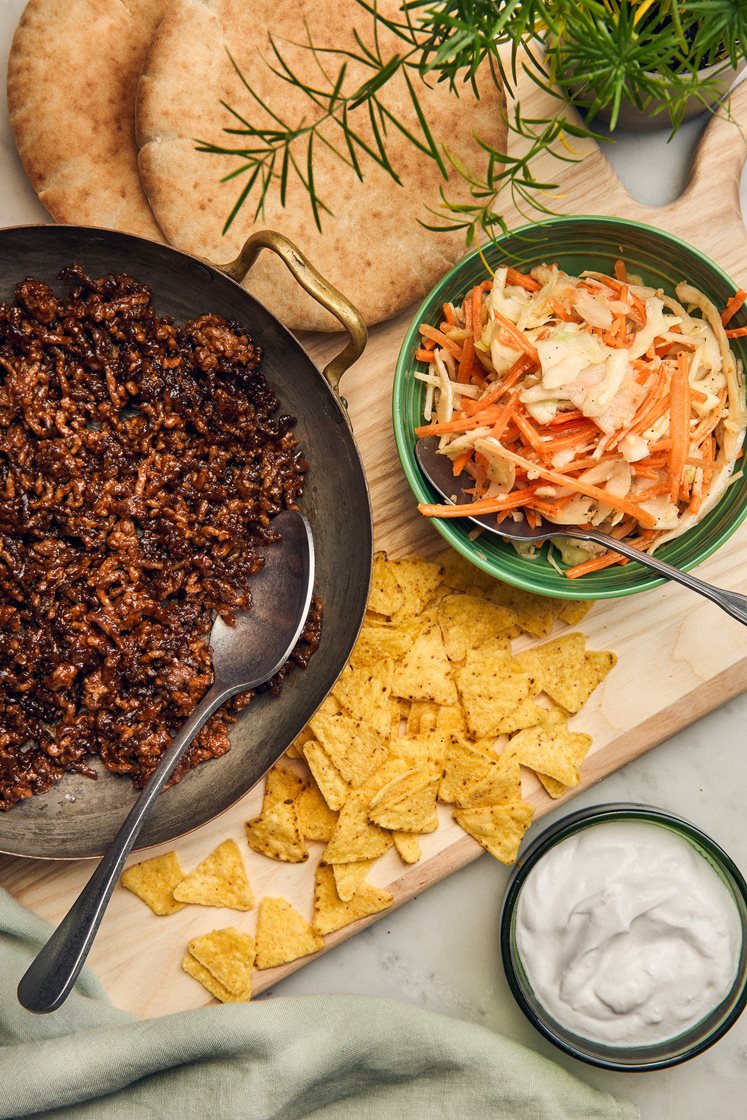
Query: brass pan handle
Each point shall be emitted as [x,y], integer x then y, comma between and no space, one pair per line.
[314,283]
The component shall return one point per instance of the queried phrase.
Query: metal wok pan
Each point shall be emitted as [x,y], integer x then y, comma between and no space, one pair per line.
[79,816]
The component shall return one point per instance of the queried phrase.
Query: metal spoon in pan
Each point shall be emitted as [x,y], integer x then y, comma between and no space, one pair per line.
[437,469]
[244,656]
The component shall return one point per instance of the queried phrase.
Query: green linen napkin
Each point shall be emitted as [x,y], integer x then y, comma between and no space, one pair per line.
[327,1057]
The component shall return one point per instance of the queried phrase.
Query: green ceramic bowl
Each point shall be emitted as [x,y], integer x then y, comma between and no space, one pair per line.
[575,244]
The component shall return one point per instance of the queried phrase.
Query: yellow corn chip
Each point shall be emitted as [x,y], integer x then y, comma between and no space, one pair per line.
[466,622]
[526,714]
[316,819]
[333,789]
[418,580]
[462,575]
[407,803]
[551,750]
[355,748]
[408,846]
[386,596]
[282,784]
[283,935]
[596,667]
[220,880]
[422,717]
[363,693]
[331,913]
[229,956]
[534,613]
[206,978]
[355,837]
[500,786]
[561,666]
[294,751]
[153,880]
[424,673]
[350,876]
[276,833]
[499,828]
[393,766]
[451,720]
[465,764]
[554,788]
[571,611]
[490,690]
[377,643]
[422,750]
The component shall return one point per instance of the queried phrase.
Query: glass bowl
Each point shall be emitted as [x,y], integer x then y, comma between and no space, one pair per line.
[695,1039]
[575,244]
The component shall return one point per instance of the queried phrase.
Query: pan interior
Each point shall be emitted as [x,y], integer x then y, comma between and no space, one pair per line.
[79,816]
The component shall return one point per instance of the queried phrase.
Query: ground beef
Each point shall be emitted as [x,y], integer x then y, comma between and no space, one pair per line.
[140,465]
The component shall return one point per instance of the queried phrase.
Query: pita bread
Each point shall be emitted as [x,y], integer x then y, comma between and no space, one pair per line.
[72,77]
[372,247]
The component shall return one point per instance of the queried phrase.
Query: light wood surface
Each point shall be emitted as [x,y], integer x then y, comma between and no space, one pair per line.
[679,656]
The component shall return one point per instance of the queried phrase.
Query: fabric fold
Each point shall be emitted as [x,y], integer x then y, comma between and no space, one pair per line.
[288,1058]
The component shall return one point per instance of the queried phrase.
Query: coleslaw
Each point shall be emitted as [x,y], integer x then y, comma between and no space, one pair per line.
[587,400]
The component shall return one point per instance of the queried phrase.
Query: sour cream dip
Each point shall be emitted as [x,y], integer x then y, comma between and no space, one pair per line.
[627,934]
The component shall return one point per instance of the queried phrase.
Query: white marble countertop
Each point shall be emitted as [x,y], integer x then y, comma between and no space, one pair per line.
[421,953]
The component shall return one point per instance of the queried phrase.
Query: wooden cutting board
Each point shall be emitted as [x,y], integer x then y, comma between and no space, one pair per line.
[679,656]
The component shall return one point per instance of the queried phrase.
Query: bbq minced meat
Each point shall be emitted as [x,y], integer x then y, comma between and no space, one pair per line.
[140,465]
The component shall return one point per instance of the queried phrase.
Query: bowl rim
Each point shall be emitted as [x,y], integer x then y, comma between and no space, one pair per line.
[554,1031]
[645,579]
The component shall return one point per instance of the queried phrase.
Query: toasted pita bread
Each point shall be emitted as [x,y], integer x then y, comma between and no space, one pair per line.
[372,247]
[72,77]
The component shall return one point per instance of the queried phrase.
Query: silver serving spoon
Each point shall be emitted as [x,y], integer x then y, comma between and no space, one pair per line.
[244,656]
[437,469]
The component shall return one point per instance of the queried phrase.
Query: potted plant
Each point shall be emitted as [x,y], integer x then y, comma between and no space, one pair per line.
[624,61]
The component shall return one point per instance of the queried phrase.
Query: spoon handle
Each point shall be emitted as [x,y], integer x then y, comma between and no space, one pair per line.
[51,975]
[730,601]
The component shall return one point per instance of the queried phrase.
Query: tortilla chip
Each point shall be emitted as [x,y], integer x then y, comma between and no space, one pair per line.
[418,580]
[451,720]
[363,693]
[490,690]
[535,614]
[378,643]
[408,846]
[219,880]
[422,750]
[393,766]
[571,611]
[354,748]
[464,765]
[407,803]
[282,784]
[153,880]
[499,828]
[526,714]
[552,750]
[283,935]
[316,819]
[466,622]
[331,913]
[206,978]
[331,786]
[355,837]
[229,956]
[462,575]
[422,717]
[276,833]
[350,876]
[500,786]
[425,673]
[386,596]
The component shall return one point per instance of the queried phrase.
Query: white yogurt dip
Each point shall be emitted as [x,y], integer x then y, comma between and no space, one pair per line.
[627,934]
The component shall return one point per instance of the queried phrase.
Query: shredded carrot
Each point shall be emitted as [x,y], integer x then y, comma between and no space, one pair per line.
[517,338]
[465,362]
[732,306]
[449,314]
[440,338]
[499,388]
[483,505]
[521,280]
[737,332]
[505,416]
[587,488]
[477,311]
[461,461]
[596,564]
[621,271]
[679,424]
[459,423]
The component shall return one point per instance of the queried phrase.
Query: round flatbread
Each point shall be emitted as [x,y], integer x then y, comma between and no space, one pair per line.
[72,78]
[372,245]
